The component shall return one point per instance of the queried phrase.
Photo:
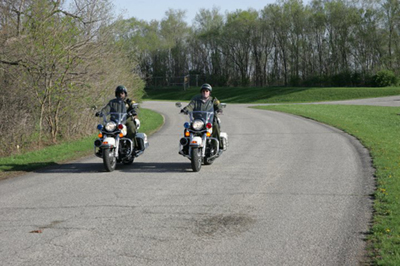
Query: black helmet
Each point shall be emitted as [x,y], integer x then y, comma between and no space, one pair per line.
[206,86]
[120,89]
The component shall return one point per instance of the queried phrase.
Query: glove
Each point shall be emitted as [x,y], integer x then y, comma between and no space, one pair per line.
[98,114]
[184,111]
[131,113]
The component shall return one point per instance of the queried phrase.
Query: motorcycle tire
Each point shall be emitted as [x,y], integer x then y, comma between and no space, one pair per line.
[196,159]
[109,160]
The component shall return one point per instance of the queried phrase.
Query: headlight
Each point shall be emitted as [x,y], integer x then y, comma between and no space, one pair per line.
[198,124]
[110,126]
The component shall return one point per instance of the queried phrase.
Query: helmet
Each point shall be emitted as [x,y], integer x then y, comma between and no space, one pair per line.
[120,89]
[206,86]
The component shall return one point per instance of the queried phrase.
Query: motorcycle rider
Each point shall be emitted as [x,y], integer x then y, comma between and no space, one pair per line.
[122,104]
[204,102]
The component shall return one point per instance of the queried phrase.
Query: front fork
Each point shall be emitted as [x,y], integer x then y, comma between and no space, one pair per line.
[202,145]
[100,145]
[117,138]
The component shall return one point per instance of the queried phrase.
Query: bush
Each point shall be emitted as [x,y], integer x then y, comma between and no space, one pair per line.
[342,79]
[385,78]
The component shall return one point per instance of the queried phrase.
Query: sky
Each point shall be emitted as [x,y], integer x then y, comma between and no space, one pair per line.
[155,9]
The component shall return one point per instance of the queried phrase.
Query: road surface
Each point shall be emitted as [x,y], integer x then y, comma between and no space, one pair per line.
[288,191]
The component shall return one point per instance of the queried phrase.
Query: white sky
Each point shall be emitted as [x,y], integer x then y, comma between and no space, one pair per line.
[155,9]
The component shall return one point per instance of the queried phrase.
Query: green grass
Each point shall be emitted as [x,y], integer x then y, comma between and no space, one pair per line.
[378,130]
[150,121]
[272,94]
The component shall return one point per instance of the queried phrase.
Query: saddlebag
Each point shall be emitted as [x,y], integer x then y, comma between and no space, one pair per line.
[141,139]
[224,139]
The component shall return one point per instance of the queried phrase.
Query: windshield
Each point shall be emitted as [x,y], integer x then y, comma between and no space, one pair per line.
[205,116]
[119,118]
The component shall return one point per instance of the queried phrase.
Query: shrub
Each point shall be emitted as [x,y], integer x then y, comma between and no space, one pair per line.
[384,78]
[342,79]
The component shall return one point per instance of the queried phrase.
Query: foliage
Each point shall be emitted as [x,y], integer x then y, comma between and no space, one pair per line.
[288,43]
[384,78]
[54,66]
[377,128]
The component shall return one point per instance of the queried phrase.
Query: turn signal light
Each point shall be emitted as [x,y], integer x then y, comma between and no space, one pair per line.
[208,134]
[187,134]
[121,135]
[100,135]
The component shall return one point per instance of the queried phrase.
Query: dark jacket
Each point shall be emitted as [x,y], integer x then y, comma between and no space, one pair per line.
[118,105]
[198,104]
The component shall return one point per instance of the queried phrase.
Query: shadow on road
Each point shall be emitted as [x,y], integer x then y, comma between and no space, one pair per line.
[136,167]
[167,167]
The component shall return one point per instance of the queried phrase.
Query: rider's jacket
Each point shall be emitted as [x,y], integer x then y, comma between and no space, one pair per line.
[119,105]
[198,104]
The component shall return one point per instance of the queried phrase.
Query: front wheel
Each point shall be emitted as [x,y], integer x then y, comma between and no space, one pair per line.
[196,159]
[109,160]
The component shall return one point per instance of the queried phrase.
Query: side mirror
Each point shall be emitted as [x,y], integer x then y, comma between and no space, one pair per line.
[223,105]
[178,104]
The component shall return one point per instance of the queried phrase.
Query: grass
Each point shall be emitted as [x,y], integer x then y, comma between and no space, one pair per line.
[10,166]
[273,94]
[378,130]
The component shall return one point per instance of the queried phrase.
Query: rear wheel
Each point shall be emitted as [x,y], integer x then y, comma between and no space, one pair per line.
[109,160]
[196,159]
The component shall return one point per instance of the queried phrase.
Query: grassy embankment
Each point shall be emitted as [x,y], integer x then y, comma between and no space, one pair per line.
[14,165]
[376,127]
[272,95]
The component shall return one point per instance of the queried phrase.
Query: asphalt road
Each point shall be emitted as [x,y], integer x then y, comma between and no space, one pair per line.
[288,191]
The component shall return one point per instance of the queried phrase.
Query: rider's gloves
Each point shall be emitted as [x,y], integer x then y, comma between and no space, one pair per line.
[184,111]
[131,113]
[98,114]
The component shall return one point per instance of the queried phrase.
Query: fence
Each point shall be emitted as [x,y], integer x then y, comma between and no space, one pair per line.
[179,81]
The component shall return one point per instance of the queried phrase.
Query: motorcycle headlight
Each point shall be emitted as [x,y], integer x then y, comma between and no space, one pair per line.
[110,126]
[198,124]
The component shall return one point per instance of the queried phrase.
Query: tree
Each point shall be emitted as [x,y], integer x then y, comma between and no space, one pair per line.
[60,57]
[205,49]
[236,43]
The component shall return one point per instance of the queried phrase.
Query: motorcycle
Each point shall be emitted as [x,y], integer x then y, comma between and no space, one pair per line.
[112,144]
[198,145]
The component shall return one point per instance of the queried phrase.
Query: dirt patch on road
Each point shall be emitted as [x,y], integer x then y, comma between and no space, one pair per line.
[223,225]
